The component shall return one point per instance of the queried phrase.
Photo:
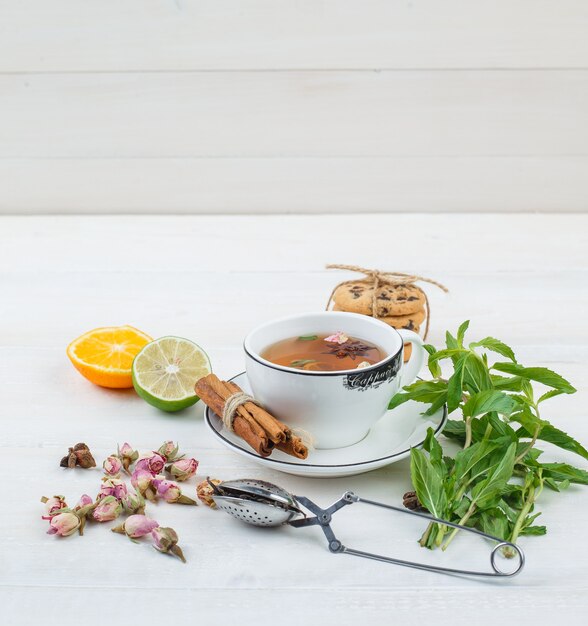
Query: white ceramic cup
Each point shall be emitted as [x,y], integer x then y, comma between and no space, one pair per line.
[336,408]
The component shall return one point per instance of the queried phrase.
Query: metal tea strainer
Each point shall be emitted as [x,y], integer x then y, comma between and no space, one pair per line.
[263,504]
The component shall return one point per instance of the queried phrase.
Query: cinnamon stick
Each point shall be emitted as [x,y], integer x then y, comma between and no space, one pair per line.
[261,430]
[248,430]
[274,428]
[294,447]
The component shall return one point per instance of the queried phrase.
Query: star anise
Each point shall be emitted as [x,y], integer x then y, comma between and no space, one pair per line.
[352,349]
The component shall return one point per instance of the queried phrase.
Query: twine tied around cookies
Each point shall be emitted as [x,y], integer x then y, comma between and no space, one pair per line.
[376,278]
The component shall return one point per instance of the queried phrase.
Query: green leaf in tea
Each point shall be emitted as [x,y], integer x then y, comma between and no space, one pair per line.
[308,338]
[302,362]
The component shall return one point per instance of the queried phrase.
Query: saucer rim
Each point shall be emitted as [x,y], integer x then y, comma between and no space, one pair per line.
[254,454]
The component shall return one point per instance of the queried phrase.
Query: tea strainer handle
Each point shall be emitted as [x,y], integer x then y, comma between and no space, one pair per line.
[324,516]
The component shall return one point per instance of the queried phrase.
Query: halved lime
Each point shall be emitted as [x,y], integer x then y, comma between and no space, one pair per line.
[166,370]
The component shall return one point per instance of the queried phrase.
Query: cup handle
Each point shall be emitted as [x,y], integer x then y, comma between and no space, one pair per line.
[417,358]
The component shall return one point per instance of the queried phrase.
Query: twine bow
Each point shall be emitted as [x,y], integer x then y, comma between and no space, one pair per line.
[375,278]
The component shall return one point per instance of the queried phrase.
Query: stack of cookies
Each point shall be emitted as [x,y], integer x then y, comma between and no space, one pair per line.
[402,306]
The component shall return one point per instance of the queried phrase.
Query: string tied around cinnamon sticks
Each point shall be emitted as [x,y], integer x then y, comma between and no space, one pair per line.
[376,278]
[232,404]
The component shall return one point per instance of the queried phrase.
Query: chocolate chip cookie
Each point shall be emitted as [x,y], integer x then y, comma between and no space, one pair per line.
[356,297]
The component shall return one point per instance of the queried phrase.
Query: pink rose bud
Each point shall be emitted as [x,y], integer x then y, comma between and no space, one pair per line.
[53,505]
[112,466]
[112,487]
[170,450]
[205,491]
[107,509]
[339,337]
[63,524]
[170,492]
[154,463]
[141,481]
[85,500]
[127,455]
[183,469]
[166,540]
[136,526]
[133,502]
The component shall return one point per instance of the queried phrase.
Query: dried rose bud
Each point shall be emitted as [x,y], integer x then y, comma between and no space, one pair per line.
[204,491]
[154,463]
[53,505]
[112,466]
[339,337]
[170,492]
[182,469]
[166,540]
[141,481]
[79,455]
[112,487]
[107,509]
[133,503]
[136,526]
[85,500]
[170,451]
[127,456]
[84,456]
[64,524]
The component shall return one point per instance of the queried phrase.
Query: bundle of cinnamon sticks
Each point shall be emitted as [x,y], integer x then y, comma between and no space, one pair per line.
[262,431]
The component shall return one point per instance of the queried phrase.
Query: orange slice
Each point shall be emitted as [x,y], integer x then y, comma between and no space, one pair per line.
[105,355]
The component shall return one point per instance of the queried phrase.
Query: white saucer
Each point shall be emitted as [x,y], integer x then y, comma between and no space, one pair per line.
[388,441]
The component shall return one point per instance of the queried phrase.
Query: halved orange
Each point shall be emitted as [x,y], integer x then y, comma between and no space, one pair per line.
[105,355]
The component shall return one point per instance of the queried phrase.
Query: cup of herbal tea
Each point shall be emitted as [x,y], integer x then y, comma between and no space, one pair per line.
[331,374]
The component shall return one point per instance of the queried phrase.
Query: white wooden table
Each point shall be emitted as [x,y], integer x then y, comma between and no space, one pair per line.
[522,278]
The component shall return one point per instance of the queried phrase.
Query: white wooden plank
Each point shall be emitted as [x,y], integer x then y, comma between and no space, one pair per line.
[293,114]
[337,606]
[429,245]
[309,185]
[516,305]
[67,35]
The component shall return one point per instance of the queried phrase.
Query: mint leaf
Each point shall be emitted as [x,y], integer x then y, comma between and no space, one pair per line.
[432,364]
[550,394]
[490,489]
[433,447]
[495,522]
[486,401]
[534,530]
[495,345]
[461,331]
[539,374]
[468,459]
[513,383]
[398,399]
[455,429]
[563,472]
[451,341]
[555,436]
[427,483]
[455,383]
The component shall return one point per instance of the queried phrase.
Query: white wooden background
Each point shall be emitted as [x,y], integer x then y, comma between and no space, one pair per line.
[130,106]
[211,278]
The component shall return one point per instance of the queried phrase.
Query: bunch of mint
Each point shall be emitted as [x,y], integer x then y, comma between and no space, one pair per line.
[494,481]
